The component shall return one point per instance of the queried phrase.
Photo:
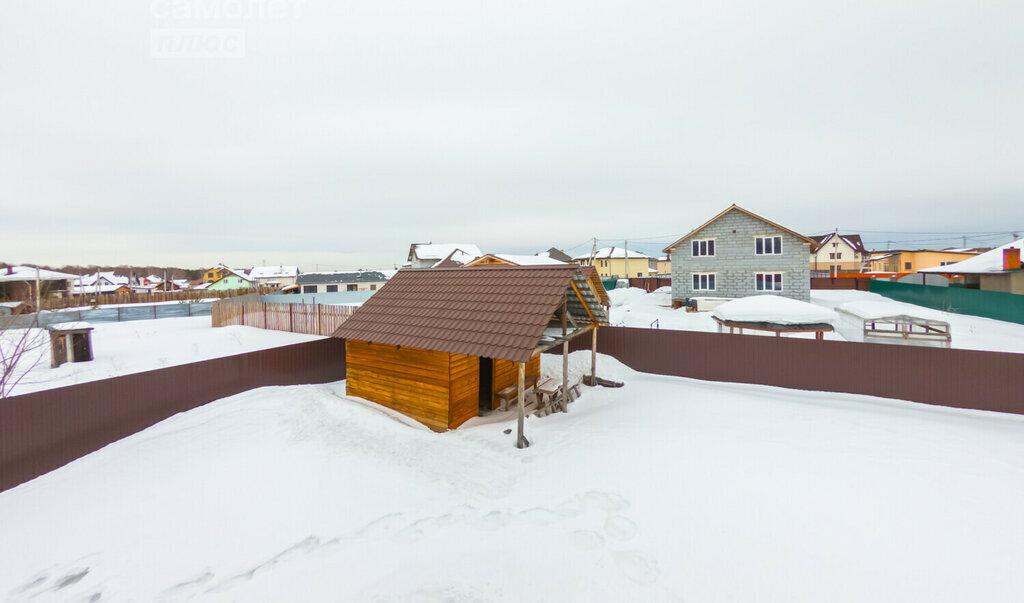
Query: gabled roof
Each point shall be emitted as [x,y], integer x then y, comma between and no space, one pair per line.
[556,254]
[439,251]
[28,273]
[361,276]
[606,253]
[735,207]
[853,240]
[490,311]
[455,259]
[506,259]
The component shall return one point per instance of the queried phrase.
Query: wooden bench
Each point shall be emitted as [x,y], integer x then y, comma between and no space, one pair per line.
[510,394]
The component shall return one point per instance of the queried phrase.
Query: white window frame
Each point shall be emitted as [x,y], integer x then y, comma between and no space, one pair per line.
[710,281]
[708,246]
[764,239]
[775,276]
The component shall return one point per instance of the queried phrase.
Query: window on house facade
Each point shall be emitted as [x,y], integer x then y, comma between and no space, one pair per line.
[835,256]
[351,287]
[309,288]
[373,287]
[768,281]
[704,282]
[768,245]
[906,265]
[705,247]
[332,288]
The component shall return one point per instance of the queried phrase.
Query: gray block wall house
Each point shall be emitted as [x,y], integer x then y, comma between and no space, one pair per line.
[738,254]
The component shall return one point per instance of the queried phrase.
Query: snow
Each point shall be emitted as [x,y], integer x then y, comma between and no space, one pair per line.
[120,348]
[439,251]
[529,260]
[666,489]
[774,309]
[69,326]
[28,273]
[273,272]
[990,262]
[458,256]
[611,253]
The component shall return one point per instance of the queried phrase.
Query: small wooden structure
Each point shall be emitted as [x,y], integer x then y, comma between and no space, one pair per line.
[444,345]
[70,342]
[819,328]
[859,324]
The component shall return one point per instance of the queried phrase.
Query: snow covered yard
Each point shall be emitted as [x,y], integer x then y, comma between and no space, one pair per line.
[665,489]
[636,308]
[121,348]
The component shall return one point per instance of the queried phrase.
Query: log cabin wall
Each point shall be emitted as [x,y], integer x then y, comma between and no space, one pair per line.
[506,374]
[464,403]
[415,382]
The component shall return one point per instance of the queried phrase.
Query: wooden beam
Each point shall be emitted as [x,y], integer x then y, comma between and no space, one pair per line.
[521,441]
[583,301]
[593,358]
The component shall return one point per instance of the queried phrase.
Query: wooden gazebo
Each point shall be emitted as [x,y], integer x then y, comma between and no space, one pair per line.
[439,344]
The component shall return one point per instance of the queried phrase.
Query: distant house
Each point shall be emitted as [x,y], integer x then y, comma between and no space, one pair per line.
[506,259]
[839,253]
[903,260]
[220,271]
[440,345]
[18,283]
[996,270]
[617,262]
[664,266]
[428,255]
[336,282]
[738,254]
[274,276]
[230,279]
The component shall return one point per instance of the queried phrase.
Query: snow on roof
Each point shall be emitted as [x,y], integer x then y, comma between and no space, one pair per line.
[990,262]
[274,271]
[69,326]
[456,258]
[27,273]
[94,288]
[606,253]
[528,260]
[439,251]
[773,309]
[873,310]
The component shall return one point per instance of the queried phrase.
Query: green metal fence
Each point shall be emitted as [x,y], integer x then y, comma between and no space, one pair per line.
[989,304]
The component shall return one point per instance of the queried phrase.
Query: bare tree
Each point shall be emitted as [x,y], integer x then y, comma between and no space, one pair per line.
[19,351]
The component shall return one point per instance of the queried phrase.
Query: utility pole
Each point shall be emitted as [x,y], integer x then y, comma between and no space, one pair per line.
[625,251]
[39,296]
[835,253]
[965,242]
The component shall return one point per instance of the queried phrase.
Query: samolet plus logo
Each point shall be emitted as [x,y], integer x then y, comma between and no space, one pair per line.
[208,29]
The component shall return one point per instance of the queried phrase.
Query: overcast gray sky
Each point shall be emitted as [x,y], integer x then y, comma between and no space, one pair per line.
[335,133]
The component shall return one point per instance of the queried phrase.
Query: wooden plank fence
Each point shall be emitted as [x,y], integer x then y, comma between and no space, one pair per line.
[251,311]
[104,299]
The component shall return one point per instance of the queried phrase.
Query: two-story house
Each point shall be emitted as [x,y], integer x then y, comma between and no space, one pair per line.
[617,262]
[738,254]
[839,253]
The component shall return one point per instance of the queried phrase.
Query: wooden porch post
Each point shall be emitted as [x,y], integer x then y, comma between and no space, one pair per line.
[593,357]
[565,356]
[521,441]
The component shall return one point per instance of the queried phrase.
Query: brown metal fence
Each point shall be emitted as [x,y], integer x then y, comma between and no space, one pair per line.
[650,283]
[312,319]
[947,377]
[846,283]
[45,430]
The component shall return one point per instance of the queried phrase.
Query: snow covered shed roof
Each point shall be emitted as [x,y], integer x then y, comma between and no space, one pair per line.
[990,262]
[492,311]
[735,207]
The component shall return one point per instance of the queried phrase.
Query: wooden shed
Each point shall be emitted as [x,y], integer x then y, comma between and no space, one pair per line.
[438,344]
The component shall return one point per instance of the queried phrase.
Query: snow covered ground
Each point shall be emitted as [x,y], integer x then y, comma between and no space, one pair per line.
[666,489]
[121,348]
[637,308]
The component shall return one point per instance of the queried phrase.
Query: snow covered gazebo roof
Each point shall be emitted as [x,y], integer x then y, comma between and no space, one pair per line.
[774,313]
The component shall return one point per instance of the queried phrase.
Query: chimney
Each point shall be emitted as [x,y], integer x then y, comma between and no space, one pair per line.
[1011,258]
[10,270]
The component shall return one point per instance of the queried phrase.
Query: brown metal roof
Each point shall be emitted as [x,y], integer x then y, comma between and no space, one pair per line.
[495,312]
